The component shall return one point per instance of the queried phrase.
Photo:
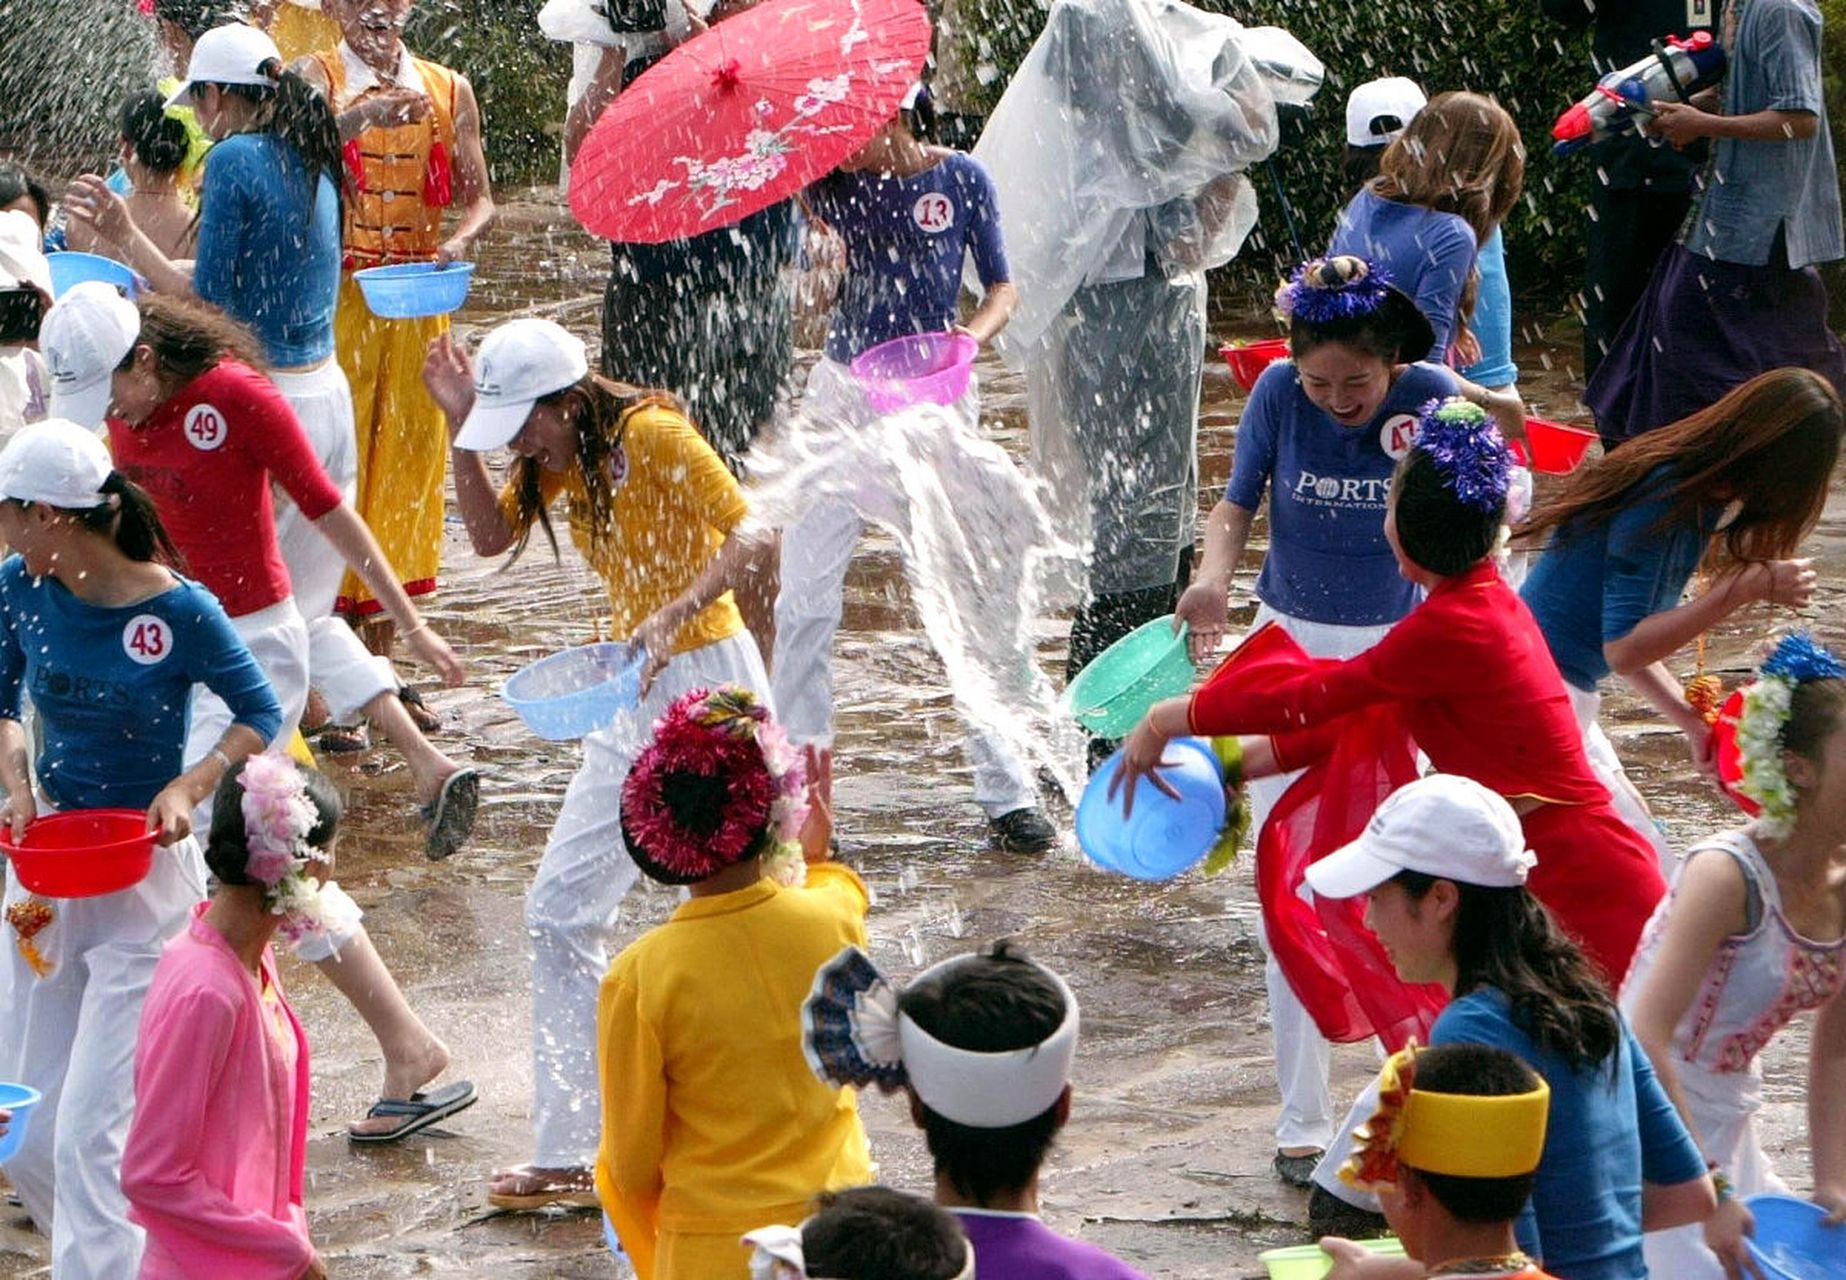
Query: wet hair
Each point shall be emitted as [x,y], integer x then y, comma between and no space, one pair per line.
[1395,331]
[189,337]
[299,116]
[596,407]
[875,1233]
[130,520]
[1506,939]
[994,1003]
[1771,444]
[196,17]
[17,184]
[1461,154]
[159,141]
[1480,1071]
[920,117]
[1437,530]
[1815,709]
[227,847]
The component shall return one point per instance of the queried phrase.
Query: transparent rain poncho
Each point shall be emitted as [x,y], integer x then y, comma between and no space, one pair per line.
[1118,151]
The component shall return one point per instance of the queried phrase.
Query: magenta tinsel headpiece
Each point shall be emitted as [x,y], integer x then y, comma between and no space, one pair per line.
[759,800]
[1328,290]
[1468,450]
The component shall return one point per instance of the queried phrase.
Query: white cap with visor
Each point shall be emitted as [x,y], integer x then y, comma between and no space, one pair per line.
[1445,826]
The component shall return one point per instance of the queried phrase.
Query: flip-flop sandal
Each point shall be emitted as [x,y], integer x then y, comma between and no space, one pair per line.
[451,814]
[339,739]
[418,1111]
[427,721]
[549,1194]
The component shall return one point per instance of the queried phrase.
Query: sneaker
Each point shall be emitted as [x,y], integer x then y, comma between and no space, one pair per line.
[1297,1171]
[1024,831]
[1328,1215]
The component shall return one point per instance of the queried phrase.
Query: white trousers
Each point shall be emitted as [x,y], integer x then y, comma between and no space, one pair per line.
[71,1035]
[1723,1107]
[1607,766]
[572,907]
[1303,1056]
[340,666]
[817,548]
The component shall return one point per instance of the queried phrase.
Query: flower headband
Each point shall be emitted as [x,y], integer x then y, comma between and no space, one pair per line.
[854,1034]
[278,815]
[1460,1134]
[1468,450]
[1328,290]
[1764,720]
[779,1255]
[725,734]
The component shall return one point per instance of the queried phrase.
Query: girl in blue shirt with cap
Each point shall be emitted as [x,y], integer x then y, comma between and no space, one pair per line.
[111,644]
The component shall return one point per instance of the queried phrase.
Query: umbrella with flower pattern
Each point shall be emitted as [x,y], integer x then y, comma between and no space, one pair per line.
[746,114]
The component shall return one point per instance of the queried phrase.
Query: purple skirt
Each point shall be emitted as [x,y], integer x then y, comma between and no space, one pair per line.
[1702,328]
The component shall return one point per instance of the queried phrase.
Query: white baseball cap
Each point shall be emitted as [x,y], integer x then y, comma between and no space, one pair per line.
[57,463]
[84,338]
[232,54]
[1443,825]
[517,363]
[22,255]
[1371,106]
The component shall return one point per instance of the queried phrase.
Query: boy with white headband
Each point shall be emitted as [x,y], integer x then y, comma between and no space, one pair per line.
[983,1044]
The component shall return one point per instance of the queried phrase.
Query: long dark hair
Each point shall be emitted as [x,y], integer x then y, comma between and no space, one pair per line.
[299,116]
[227,847]
[158,140]
[129,518]
[1506,939]
[596,407]
[1770,444]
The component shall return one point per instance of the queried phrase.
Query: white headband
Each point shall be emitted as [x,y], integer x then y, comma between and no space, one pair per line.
[854,1034]
[778,1255]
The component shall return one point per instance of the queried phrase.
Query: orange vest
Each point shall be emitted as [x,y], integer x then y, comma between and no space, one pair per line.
[401,176]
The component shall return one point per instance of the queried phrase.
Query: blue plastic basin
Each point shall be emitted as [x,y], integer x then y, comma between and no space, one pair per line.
[68,267]
[1165,836]
[19,1099]
[407,289]
[577,691]
[1791,1244]
[612,1240]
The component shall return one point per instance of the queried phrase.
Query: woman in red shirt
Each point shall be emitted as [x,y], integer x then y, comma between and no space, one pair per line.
[1466,678]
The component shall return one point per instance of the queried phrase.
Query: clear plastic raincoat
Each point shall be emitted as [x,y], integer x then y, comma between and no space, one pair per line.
[1118,151]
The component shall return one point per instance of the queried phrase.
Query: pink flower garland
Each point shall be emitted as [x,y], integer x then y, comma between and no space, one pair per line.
[723,733]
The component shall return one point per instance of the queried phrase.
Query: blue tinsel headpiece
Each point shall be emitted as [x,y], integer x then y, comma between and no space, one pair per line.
[1327,290]
[1798,658]
[1468,451]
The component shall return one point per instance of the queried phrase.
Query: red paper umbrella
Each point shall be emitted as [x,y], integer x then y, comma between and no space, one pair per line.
[746,114]
[1730,754]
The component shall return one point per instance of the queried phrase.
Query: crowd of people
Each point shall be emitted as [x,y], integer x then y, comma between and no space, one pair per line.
[223,495]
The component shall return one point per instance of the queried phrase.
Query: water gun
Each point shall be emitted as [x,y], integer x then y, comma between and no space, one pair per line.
[1674,71]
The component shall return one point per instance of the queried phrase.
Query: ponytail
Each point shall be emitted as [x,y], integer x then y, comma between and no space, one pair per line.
[300,117]
[129,517]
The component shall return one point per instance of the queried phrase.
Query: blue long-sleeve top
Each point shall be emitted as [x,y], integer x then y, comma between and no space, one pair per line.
[113,686]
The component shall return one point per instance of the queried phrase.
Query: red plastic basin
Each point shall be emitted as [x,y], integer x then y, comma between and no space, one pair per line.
[83,853]
[1552,446]
[1249,359]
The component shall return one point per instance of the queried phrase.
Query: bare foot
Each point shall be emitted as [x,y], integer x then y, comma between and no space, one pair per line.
[404,1075]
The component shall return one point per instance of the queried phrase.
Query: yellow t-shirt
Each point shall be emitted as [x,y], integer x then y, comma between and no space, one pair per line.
[673,502]
[712,1120]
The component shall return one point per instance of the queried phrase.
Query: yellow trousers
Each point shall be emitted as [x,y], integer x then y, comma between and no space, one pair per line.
[403,442]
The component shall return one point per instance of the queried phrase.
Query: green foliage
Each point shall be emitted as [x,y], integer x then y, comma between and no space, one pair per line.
[518,75]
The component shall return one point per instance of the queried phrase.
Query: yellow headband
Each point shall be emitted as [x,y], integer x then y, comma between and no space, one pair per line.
[1463,1135]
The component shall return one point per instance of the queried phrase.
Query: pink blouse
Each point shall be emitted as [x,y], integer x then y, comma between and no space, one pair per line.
[213,1165]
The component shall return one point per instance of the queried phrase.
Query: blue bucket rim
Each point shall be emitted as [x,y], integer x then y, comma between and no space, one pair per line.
[635,660]
[413,270]
[32,1099]
[1182,636]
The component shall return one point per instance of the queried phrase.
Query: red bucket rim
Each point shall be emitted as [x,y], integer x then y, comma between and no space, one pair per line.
[69,816]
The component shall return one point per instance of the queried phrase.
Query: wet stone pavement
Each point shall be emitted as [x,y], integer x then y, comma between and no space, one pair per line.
[1166,1160]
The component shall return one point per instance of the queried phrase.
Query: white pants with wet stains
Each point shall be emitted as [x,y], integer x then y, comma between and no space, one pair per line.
[573,905]
[1303,1056]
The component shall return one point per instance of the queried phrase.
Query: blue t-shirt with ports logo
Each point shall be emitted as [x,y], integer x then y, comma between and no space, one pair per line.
[113,686]
[1328,559]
